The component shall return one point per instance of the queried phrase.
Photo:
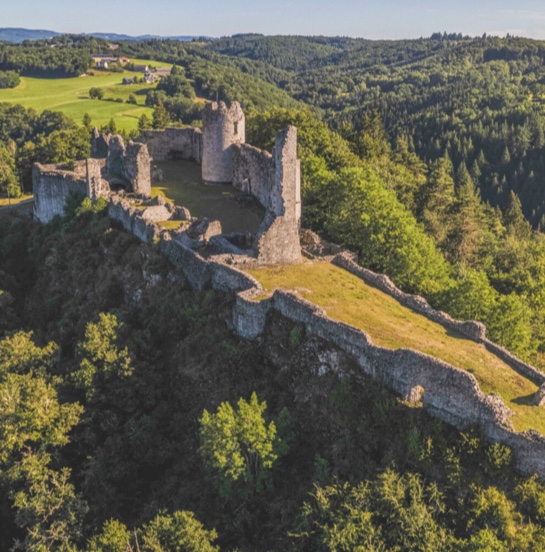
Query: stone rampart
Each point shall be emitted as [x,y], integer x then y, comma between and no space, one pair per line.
[51,187]
[195,268]
[173,143]
[228,278]
[447,392]
[451,394]
[132,220]
[472,329]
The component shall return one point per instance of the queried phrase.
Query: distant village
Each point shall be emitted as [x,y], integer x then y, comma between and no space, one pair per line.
[103,61]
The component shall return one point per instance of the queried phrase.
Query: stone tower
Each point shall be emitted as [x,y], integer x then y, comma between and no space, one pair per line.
[222,128]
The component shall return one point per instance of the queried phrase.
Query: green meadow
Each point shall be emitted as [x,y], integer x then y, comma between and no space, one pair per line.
[71,97]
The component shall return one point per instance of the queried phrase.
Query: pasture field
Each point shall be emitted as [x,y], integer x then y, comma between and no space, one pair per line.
[71,96]
[348,299]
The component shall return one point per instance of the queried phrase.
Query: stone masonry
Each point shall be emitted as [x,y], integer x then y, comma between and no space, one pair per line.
[223,127]
[274,180]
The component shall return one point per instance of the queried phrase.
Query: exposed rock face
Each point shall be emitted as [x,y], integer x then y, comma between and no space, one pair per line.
[223,127]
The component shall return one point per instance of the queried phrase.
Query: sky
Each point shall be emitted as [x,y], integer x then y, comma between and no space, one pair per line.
[373,19]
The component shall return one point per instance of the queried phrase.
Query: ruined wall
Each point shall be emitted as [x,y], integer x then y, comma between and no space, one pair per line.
[200,272]
[99,144]
[137,168]
[277,240]
[97,186]
[173,143]
[451,394]
[472,329]
[223,127]
[132,220]
[253,173]
[130,164]
[51,187]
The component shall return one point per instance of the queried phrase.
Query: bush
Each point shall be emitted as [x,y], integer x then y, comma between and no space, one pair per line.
[9,79]
[96,93]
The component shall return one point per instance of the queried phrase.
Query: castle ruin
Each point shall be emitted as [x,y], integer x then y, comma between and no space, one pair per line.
[208,259]
[273,180]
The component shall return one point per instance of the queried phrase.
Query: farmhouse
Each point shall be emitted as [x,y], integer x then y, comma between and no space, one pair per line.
[163,72]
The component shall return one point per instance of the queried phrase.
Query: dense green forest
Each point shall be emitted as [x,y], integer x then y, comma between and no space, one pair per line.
[424,157]
[64,56]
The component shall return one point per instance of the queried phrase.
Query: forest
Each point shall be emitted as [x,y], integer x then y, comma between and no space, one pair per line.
[128,399]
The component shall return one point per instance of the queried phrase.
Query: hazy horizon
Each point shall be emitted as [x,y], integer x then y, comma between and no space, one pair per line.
[387,19]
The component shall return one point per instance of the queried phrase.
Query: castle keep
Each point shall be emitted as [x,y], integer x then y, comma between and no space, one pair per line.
[225,158]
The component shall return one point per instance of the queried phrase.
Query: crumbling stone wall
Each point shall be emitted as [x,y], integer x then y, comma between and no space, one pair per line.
[137,168]
[97,186]
[100,143]
[223,127]
[132,220]
[130,164]
[51,187]
[447,392]
[472,329]
[253,173]
[451,394]
[277,240]
[173,143]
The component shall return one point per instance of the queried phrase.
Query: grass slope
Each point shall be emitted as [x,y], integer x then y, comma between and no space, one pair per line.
[348,299]
[71,96]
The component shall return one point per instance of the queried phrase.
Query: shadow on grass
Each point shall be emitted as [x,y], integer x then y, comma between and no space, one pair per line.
[527,400]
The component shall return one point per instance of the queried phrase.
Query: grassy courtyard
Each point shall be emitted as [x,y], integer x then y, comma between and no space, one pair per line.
[348,299]
[183,185]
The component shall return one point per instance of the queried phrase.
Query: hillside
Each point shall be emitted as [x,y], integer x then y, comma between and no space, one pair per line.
[20,35]
[8,34]
[480,100]
[71,97]
[348,299]
[135,449]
